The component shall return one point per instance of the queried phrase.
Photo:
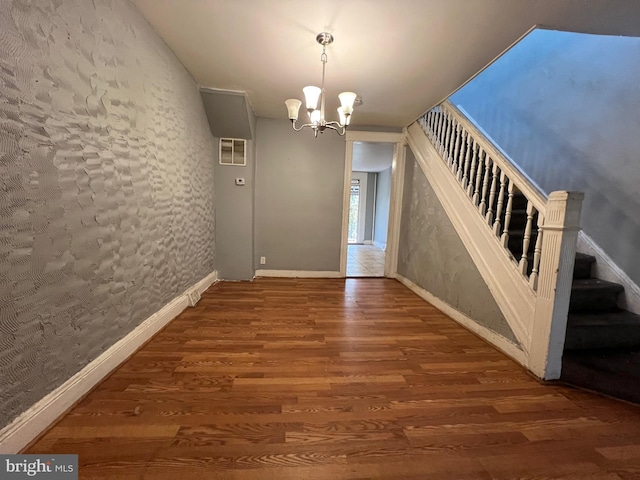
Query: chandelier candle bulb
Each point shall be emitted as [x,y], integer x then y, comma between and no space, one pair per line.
[347,100]
[293,106]
[314,95]
[311,96]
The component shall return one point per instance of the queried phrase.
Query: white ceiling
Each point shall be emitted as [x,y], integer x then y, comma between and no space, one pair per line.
[401,56]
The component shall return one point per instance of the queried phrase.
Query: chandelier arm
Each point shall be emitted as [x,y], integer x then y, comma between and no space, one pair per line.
[340,129]
[293,124]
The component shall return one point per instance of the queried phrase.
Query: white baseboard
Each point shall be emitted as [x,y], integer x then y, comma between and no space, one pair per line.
[380,245]
[606,269]
[204,284]
[498,341]
[368,242]
[298,274]
[31,423]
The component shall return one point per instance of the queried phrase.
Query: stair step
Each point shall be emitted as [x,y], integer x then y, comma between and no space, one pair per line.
[582,266]
[594,295]
[613,372]
[619,329]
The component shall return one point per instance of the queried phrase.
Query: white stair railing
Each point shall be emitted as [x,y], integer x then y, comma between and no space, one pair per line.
[537,235]
[494,185]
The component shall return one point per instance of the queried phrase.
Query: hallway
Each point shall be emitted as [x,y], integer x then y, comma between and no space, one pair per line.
[365,261]
[335,379]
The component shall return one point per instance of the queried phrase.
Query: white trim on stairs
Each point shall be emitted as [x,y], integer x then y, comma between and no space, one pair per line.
[31,423]
[498,341]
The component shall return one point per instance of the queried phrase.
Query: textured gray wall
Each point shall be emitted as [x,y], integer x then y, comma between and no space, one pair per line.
[298,208]
[106,187]
[383,199]
[234,218]
[433,257]
[566,108]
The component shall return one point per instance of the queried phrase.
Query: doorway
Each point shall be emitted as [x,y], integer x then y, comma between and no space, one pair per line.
[397,142]
[369,201]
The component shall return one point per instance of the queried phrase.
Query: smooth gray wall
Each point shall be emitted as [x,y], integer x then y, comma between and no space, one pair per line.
[433,257]
[566,108]
[383,199]
[234,218]
[298,201]
[371,206]
[106,197]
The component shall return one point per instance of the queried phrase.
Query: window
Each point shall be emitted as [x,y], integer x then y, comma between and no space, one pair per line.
[233,152]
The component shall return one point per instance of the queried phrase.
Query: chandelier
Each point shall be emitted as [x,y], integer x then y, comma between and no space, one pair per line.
[315,97]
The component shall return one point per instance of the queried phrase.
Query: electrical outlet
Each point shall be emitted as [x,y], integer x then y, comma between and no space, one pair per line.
[263,260]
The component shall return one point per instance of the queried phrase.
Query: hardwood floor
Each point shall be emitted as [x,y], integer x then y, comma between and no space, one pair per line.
[334,379]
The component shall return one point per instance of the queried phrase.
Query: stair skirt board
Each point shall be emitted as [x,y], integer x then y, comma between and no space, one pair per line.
[30,424]
[606,269]
[299,274]
[510,349]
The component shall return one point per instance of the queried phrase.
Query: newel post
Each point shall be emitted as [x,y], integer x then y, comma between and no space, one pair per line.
[560,235]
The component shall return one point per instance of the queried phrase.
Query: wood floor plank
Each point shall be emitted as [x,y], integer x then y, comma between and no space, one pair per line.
[336,379]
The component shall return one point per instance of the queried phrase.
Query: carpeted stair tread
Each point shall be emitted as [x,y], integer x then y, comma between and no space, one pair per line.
[582,266]
[594,295]
[620,329]
[613,372]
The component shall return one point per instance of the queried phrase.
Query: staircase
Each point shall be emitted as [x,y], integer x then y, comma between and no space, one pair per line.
[602,345]
[521,240]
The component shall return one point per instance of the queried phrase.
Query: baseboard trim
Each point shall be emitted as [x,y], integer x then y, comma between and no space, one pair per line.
[380,245]
[606,269]
[31,423]
[298,274]
[211,279]
[498,341]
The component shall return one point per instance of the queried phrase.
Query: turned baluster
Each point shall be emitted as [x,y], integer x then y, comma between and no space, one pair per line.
[492,194]
[440,133]
[503,185]
[456,149]
[507,215]
[485,184]
[524,261]
[537,250]
[474,160]
[467,154]
[482,157]
[460,167]
[430,118]
[451,142]
[445,137]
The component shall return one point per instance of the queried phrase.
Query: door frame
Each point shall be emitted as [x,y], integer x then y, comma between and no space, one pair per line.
[395,203]
[362,206]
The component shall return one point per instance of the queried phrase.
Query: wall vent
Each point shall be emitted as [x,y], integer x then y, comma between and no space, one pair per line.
[233,151]
[193,296]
